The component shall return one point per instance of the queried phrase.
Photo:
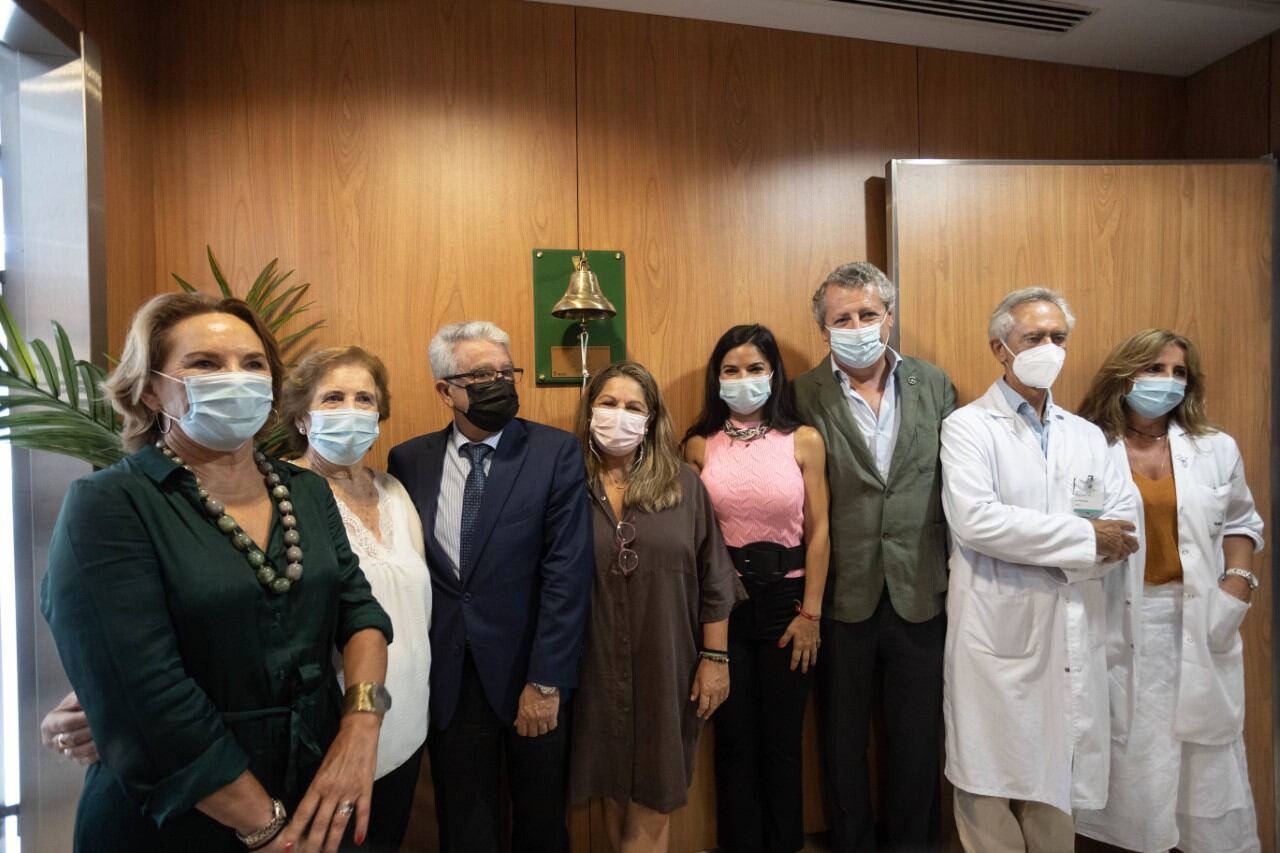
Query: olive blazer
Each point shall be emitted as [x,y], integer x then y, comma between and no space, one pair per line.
[884,530]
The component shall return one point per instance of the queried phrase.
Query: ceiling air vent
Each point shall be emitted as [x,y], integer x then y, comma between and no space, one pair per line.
[1023,14]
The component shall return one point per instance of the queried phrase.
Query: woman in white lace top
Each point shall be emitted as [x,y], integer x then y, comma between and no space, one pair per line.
[335,399]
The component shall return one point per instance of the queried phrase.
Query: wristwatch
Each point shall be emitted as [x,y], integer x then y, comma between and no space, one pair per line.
[544,689]
[366,696]
[1249,576]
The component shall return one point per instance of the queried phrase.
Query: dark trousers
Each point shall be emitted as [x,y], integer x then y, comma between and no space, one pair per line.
[904,659]
[759,802]
[466,767]
[390,808]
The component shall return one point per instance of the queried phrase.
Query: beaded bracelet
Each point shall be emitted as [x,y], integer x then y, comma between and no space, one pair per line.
[714,655]
[806,614]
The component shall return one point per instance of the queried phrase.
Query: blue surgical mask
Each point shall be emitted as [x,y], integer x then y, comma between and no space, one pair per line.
[224,410]
[857,347]
[1153,397]
[744,396]
[343,436]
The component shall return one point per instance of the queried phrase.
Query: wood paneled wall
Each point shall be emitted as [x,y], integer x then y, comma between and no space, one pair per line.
[406,156]
[1229,105]
[989,107]
[1104,237]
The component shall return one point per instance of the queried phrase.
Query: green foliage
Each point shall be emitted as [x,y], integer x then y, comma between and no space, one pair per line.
[44,408]
[55,401]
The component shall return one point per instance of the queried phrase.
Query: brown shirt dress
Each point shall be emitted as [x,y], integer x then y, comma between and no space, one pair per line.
[635,731]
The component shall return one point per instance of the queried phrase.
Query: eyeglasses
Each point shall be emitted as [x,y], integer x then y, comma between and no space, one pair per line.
[624,534]
[484,375]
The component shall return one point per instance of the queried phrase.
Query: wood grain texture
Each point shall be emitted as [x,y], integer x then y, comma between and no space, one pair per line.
[731,164]
[1274,92]
[1185,247]
[1228,105]
[119,27]
[974,106]
[404,157]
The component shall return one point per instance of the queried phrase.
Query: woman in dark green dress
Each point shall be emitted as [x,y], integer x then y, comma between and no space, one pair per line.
[196,591]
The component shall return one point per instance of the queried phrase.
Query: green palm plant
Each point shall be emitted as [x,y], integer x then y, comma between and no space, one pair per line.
[57,404]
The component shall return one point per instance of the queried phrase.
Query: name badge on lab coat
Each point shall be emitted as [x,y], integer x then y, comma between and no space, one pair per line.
[1086,496]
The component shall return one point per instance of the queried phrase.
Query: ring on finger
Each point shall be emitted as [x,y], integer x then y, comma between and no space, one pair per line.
[345,808]
[60,740]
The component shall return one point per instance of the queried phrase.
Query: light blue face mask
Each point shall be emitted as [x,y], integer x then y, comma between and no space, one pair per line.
[744,396]
[343,436]
[1154,397]
[224,410]
[857,347]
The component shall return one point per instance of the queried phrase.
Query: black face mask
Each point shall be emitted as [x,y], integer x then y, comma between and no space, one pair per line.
[492,405]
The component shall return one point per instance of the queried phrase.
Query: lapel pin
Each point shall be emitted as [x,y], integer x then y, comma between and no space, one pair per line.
[911,380]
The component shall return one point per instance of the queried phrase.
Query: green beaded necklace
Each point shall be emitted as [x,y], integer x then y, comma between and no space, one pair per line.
[257,560]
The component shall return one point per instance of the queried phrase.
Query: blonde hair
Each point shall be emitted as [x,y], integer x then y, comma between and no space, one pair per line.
[1103,403]
[300,386]
[147,348]
[655,482]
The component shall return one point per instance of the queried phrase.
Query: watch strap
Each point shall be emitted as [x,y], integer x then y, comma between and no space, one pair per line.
[1249,576]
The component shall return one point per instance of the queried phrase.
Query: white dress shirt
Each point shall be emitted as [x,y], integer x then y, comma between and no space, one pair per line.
[879,430]
[453,482]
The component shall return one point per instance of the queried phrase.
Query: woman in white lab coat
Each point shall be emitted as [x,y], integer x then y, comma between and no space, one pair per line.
[1175,658]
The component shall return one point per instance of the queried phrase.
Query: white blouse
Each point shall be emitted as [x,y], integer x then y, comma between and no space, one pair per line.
[395,566]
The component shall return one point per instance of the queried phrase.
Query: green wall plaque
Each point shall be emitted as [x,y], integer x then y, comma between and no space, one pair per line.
[557,360]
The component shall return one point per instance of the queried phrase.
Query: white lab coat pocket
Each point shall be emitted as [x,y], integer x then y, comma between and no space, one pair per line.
[1214,500]
[1226,612]
[1003,625]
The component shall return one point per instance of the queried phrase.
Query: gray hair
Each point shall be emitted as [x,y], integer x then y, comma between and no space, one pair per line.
[440,351]
[1001,322]
[854,276]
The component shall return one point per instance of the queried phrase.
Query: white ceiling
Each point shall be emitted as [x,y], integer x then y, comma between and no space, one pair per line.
[1161,36]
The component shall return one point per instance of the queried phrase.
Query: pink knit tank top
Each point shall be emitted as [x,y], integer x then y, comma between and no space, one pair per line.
[757,489]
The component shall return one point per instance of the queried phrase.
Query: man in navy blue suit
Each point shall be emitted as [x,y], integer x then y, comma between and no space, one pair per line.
[504,515]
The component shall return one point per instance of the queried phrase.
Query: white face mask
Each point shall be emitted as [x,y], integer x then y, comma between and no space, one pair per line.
[224,410]
[857,348]
[616,431]
[744,396]
[343,436]
[1038,367]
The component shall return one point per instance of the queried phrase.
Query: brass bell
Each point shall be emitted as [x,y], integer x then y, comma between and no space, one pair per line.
[584,301]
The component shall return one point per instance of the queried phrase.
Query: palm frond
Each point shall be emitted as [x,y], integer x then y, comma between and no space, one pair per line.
[16,356]
[51,400]
[46,411]
[217,273]
[67,357]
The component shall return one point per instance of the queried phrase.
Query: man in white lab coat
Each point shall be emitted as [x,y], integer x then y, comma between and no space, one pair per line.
[1038,515]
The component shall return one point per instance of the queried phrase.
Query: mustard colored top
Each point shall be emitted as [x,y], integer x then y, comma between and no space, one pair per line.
[1160,505]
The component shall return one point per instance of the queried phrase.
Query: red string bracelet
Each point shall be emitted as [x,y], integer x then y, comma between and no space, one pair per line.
[806,614]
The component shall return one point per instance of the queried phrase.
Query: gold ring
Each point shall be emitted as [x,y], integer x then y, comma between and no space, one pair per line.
[345,808]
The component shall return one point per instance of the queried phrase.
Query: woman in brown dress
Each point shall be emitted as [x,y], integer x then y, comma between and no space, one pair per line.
[655,665]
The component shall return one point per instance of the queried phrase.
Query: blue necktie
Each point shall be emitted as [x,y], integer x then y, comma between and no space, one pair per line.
[472,494]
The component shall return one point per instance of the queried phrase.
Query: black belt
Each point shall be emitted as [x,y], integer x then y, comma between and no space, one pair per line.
[764,567]
[761,563]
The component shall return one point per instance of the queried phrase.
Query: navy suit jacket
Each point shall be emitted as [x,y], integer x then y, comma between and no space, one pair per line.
[522,604]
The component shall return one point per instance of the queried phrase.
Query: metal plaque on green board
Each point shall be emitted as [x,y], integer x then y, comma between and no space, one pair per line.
[557,353]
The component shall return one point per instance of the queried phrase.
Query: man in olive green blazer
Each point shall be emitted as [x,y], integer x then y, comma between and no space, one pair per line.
[880,414]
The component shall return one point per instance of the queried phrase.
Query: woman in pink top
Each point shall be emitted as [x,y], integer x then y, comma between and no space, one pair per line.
[766,475]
